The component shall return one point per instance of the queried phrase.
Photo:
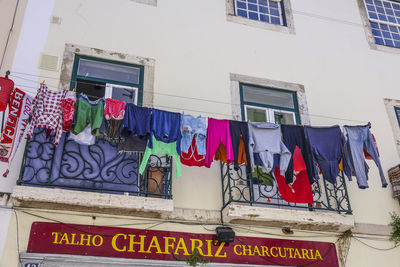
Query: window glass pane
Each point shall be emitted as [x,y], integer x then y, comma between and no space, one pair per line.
[267,96]
[256,115]
[124,94]
[398,114]
[284,117]
[94,90]
[108,71]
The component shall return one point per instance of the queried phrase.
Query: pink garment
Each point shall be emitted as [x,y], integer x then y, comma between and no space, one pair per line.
[114,109]
[218,132]
[68,109]
[47,112]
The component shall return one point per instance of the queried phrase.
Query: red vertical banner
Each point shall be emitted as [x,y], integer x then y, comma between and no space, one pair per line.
[19,111]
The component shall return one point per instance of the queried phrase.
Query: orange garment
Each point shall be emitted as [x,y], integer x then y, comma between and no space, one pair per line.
[221,153]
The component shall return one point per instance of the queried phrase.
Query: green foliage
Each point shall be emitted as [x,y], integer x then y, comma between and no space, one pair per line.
[194,259]
[395,223]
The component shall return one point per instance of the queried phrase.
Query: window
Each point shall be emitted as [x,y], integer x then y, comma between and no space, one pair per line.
[269,11]
[99,78]
[261,104]
[384,19]
[273,15]
[397,110]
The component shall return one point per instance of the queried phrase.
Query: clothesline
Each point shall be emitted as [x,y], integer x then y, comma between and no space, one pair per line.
[184,97]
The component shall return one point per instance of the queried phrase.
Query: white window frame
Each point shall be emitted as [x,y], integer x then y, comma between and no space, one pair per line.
[269,113]
[110,86]
[287,10]
[258,12]
[368,30]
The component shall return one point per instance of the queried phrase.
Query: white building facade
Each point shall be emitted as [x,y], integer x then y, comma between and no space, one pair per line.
[313,62]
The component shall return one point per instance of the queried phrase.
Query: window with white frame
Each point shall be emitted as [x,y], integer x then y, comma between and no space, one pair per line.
[269,11]
[384,18]
[99,78]
[397,110]
[261,104]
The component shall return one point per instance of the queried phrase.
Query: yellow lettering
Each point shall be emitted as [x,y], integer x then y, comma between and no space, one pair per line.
[209,250]
[280,253]
[236,252]
[73,239]
[167,245]
[297,253]
[248,250]
[94,240]
[114,242]
[273,254]
[132,243]
[182,246]
[290,252]
[318,255]
[256,250]
[265,251]
[65,238]
[305,253]
[56,237]
[198,246]
[154,244]
[85,239]
[221,246]
[312,254]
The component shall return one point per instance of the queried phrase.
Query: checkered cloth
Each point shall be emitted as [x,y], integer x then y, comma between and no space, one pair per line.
[47,112]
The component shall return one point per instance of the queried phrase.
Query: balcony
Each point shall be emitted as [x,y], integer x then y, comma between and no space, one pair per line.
[92,178]
[249,200]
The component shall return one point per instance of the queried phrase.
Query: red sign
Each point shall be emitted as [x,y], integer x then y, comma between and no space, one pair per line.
[165,245]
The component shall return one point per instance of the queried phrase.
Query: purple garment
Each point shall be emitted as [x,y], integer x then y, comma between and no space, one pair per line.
[326,144]
[165,126]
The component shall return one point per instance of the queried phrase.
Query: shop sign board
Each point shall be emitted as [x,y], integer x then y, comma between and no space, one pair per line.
[103,241]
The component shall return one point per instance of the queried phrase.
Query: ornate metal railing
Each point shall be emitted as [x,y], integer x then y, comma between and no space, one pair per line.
[251,189]
[97,168]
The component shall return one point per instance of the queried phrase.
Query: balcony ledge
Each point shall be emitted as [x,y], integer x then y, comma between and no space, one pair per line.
[297,219]
[62,199]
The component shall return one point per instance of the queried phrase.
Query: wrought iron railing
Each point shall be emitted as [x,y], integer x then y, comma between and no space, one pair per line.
[97,168]
[239,187]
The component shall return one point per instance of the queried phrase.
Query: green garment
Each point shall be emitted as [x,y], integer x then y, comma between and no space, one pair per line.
[161,148]
[88,113]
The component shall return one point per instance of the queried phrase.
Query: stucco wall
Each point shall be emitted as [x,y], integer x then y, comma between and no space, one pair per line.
[196,49]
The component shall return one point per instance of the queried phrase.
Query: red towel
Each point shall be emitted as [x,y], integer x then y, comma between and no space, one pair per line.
[300,190]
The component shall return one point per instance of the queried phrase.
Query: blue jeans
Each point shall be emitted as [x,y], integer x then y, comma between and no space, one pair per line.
[358,139]
[193,127]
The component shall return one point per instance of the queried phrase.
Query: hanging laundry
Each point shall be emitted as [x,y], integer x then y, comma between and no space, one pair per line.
[266,139]
[293,135]
[161,148]
[218,133]
[326,146]
[192,127]
[83,138]
[7,87]
[165,127]
[358,138]
[135,129]
[47,112]
[193,142]
[241,159]
[300,190]
[114,109]
[192,157]
[368,156]
[15,125]
[240,144]
[68,109]
[88,113]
